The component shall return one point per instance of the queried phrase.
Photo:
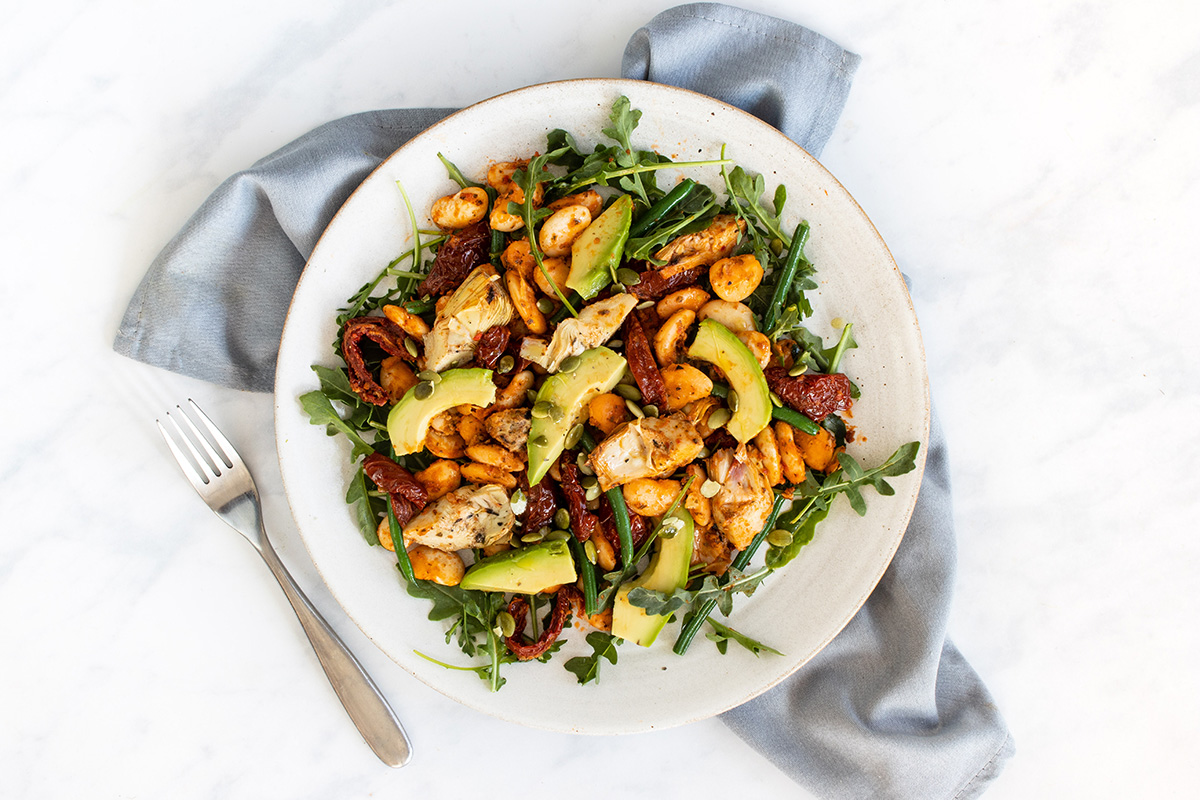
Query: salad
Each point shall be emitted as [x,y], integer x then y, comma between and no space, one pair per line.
[586,396]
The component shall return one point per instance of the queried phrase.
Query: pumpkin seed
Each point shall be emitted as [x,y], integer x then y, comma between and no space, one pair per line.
[710,488]
[541,409]
[558,536]
[798,370]
[562,518]
[628,392]
[628,277]
[589,551]
[732,401]
[423,390]
[545,305]
[634,409]
[410,346]
[534,536]
[592,493]
[616,344]
[779,537]
[776,399]
[718,418]
[519,502]
[570,364]
[506,624]
[430,376]
[507,363]
[573,436]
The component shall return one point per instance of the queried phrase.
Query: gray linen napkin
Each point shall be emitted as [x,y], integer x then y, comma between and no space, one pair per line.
[890,709]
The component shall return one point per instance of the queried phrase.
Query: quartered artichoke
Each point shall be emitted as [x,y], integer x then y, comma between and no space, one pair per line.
[478,304]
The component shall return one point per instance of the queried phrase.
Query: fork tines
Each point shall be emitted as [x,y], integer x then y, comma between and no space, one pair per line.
[207,456]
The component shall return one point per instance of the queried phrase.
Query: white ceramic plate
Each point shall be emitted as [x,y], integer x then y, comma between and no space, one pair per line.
[797,611]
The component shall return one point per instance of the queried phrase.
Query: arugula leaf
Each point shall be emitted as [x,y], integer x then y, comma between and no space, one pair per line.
[723,634]
[749,190]
[587,668]
[666,603]
[321,412]
[802,534]
[359,499]
[455,174]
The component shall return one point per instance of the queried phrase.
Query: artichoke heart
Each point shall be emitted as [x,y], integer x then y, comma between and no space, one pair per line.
[478,304]
[594,326]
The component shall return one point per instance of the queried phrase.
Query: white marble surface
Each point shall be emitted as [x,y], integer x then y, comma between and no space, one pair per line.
[1033,166]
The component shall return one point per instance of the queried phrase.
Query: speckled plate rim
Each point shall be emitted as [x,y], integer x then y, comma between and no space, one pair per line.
[633,696]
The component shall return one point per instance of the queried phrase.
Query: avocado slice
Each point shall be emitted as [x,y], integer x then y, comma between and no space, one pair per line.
[596,254]
[408,421]
[717,345]
[526,570]
[568,394]
[667,572]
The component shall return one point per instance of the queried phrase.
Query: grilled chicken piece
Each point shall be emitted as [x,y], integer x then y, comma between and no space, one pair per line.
[478,304]
[594,326]
[472,516]
[702,248]
[653,447]
[509,427]
[741,507]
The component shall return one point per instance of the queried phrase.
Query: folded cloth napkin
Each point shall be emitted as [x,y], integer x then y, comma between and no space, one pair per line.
[889,709]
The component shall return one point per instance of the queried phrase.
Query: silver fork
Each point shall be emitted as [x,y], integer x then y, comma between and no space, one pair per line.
[221,478]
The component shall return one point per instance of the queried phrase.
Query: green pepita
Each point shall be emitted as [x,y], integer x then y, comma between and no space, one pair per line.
[562,518]
[545,305]
[635,409]
[410,346]
[506,624]
[589,551]
[779,537]
[628,277]
[570,364]
[573,436]
[798,370]
[628,392]
[650,411]
[430,376]
[710,488]
[507,363]
[423,390]
[718,418]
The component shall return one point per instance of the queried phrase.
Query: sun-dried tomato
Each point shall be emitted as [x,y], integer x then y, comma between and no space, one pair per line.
[658,283]
[541,502]
[407,495]
[719,440]
[641,363]
[815,396]
[583,522]
[383,332]
[491,346]
[565,600]
[461,253]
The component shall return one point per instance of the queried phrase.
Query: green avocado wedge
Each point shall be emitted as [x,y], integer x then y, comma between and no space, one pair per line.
[597,252]
[717,345]
[564,397]
[668,571]
[525,570]
[408,421]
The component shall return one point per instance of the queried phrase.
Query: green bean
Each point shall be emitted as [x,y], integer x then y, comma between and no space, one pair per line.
[702,612]
[616,499]
[398,542]
[665,205]
[588,574]
[787,274]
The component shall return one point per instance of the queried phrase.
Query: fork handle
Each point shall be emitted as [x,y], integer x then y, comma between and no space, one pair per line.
[368,709]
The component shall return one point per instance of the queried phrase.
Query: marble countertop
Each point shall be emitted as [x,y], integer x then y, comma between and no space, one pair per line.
[1032,165]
